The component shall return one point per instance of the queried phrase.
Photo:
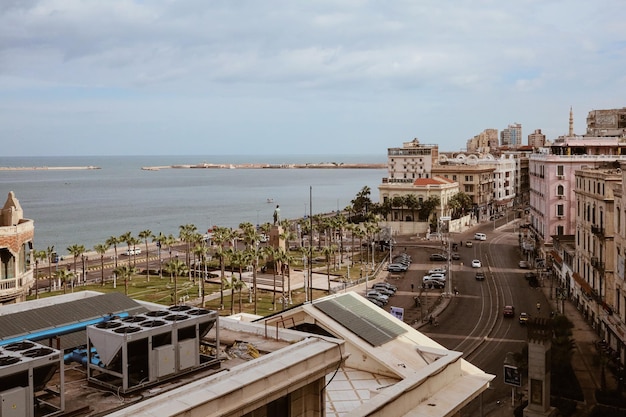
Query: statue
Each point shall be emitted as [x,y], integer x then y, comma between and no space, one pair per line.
[276,214]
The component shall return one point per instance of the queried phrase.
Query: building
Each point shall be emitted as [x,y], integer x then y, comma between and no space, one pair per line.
[486,141]
[511,136]
[339,356]
[537,139]
[475,180]
[413,160]
[610,122]
[16,244]
[594,266]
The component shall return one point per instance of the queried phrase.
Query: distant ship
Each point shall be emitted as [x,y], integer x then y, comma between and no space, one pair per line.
[270,200]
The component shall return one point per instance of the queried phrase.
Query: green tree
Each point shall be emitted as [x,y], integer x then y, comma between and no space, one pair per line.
[63,275]
[176,268]
[200,251]
[126,272]
[76,251]
[187,234]
[239,259]
[50,255]
[38,255]
[145,235]
[222,236]
[328,252]
[160,240]
[101,249]
[113,241]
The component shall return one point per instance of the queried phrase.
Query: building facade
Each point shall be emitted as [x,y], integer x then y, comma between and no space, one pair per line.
[16,243]
[511,136]
[537,139]
[413,160]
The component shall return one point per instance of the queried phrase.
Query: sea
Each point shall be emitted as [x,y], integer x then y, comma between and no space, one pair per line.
[86,207]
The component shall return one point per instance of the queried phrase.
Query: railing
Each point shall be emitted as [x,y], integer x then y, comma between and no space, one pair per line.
[11,284]
[597,230]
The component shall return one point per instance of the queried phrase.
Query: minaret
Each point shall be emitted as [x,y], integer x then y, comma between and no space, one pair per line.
[571,122]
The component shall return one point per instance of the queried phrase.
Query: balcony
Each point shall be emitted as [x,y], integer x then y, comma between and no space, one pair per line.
[597,264]
[560,177]
[560,196]
[597,230]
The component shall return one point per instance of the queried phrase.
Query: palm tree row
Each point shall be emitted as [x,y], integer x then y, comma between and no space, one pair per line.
[236,250]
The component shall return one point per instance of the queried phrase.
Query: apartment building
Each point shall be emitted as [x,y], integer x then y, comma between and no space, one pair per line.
[537,139]
[486,141]
[512,135]
[16,244]
[413,160]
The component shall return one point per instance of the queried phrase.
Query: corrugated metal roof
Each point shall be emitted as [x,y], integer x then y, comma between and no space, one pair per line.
[367,323]
[65,314]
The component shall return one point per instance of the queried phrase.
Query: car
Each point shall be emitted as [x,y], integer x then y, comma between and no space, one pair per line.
[438,257]
[377,295]
[437,270]
[524,264]
[480,236]
[130,252]
[377,302]
[428,282]
[469,244]
[480,276]
[530,275]
[439,276]
[401,259]
[386,286]
[456,256]
[384,291]
[397,268]
[523,318]
[476,263]
[508,311]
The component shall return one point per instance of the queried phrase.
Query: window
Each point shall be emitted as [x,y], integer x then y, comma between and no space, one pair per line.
[559,170]
[559,190]
[559,210]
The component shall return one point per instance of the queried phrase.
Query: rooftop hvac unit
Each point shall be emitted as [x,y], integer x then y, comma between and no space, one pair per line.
[142,350]
[26,368]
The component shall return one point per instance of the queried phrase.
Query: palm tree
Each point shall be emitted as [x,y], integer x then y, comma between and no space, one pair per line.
[169,241]
[201,252]
[186,233]
[76,251]
[328,252]
[113,241]
[63,275]
[176,268]
[239,259]
[160,241]
[49,254]
[101,250]
[145,235]
[39,255]
[134,242]
[128,239]
[412,204]
[126,272]
[222,236]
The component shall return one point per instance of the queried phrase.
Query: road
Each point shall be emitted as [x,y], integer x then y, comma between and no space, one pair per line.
[473,322]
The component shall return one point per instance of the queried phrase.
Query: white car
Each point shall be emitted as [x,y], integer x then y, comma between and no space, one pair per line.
[130,252]
[438,271]
[438,277]
[476,263]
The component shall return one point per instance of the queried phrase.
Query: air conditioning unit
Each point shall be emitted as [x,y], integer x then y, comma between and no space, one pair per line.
[560,177]
[559,216]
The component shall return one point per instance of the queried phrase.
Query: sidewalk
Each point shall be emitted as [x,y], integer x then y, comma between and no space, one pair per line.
[584,363]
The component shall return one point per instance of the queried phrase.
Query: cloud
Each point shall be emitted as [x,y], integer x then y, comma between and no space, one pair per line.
[351,75]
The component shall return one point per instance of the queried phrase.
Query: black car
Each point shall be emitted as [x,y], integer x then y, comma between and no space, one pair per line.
[456,256]
[438,257]
[480,276]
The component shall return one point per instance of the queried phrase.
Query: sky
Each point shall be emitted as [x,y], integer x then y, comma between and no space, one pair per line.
[224,77]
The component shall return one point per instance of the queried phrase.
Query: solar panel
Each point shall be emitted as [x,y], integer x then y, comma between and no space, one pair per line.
[375,327]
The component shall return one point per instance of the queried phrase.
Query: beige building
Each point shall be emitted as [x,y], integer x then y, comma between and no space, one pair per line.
[511,136]
[477,181]
[413,160]
[16,244]
[486,141]
[610,122]
[537,139]
[594,263]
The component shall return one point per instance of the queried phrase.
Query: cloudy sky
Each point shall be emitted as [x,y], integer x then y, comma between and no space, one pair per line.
[144,77]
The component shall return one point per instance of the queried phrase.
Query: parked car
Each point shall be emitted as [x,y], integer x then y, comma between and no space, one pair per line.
[397,268]
[377,302]
[428,282]
[130,252]
[440,277]
[480,276]
[476,263]
[524,264]
[437,270]
[523,318]
[509,311]
[438,257]
[456,256]
[386,286]
[377,295]
[469,244]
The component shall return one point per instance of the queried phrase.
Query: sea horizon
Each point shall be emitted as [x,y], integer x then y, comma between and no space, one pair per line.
[86,207]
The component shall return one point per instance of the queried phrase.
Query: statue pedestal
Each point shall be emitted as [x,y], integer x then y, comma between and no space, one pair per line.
[276,241]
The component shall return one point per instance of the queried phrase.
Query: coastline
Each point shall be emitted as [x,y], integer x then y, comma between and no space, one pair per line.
[47,168]
[329,165]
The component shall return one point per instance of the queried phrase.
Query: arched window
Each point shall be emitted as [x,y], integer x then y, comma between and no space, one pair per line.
[560,190]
